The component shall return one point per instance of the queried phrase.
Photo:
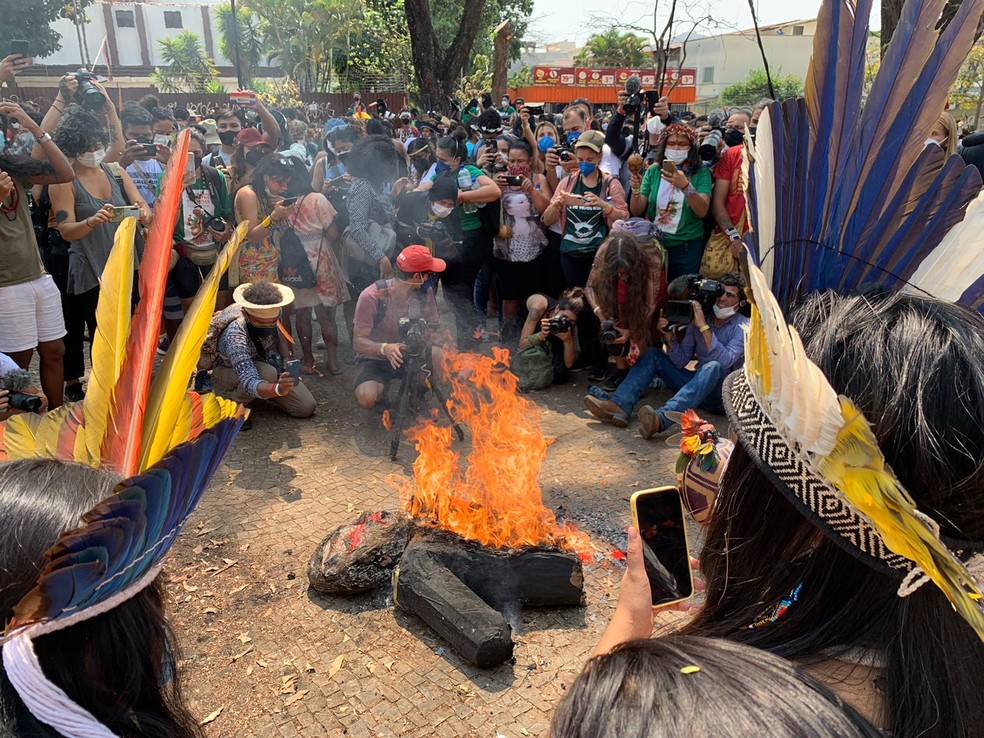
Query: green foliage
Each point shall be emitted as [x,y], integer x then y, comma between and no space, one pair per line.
[31,20]
[250,38]
[967,94]
[523,77]
[446,16]
[214,87]
[480,79]
[613,49]
[756,86]
[187,67]
[377,55]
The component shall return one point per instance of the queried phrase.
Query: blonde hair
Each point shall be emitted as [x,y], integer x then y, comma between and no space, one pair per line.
[950,126]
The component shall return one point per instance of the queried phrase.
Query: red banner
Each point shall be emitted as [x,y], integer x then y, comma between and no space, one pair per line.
[553,75]
[585,77]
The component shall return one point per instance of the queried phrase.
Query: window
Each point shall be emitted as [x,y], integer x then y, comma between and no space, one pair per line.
[707,76]
[797,30]
[124,19]
[172,19]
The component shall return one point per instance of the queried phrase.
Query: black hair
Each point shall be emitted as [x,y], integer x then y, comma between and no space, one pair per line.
[681,685]
[734,279]
[135,115]
[915,367]
[487,100]
[78,131]
[22,166]
[693,162]
[149,102]
[444,188]
[574,300]
[113,664]
[375,159]
[275,164]
[489,120]
[521,144]
[348,132]
[421,154]
[181,114]
[198,137]
[456,144]
[159,113]
[375,127]
[262,293]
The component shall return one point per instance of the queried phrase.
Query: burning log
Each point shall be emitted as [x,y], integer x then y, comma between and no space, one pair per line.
[454,586]
[358,557]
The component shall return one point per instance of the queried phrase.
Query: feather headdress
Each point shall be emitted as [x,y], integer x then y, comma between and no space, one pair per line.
[166,440]
[842,190]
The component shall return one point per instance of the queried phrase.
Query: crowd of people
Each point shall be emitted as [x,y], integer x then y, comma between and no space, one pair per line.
[605,242]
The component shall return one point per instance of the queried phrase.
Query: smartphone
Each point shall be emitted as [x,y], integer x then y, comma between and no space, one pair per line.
[125,211]
[190,164]
[679,312]
[294,369]
[288,201]
[513,180]
[19,47]
[658,515]
[652,97]
[535,109]
[150,149]
[247,99]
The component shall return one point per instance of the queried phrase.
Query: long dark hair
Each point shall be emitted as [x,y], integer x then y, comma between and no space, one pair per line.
[374,158]
[915,367]
[114,664]
[625,252]
[680,685]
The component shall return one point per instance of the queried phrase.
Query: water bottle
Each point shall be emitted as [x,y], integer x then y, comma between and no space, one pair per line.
[465,183]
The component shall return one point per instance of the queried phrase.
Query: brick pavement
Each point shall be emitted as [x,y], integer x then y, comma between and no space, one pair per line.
[280,661]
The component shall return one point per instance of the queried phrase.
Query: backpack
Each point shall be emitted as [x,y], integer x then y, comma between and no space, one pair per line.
[533,366]
[294,268]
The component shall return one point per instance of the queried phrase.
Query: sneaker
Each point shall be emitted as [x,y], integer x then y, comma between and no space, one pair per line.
[650,422]
[203,382]
[612,382]
[595,391]
[606,411]
[598,375]
[163,344]
[74,392]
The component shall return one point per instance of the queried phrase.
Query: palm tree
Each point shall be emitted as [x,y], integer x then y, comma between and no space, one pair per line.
[250,38]
[186,68]
[613,49]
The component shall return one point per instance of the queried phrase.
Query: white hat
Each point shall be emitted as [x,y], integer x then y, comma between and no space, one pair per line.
[271,310]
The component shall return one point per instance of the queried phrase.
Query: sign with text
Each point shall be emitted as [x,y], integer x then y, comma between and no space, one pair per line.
[585,77]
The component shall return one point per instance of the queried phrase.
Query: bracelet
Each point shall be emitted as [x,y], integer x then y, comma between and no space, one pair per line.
[275,388]
[265,223]
[44,138]
[597,308]
[88,222]
[704,328]
[637,192]
[382,348]
[732,233]
[689,190]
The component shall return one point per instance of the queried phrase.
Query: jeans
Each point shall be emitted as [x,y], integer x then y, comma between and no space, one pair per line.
[684,258]
[701,388]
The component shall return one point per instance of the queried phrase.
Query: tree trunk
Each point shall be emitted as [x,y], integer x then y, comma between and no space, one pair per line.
[500,58]
[436,68]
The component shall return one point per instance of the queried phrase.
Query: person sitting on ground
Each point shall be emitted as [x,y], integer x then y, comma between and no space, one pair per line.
[717,344]
[248,350]
[429,217]
[380,355]
[664,687]
[558,347]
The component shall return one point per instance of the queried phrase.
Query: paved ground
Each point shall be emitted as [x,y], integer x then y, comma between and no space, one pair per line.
[263,656]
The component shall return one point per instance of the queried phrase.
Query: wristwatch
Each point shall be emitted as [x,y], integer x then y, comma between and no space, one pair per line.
[42,139]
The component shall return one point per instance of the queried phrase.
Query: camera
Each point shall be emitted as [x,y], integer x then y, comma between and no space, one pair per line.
[608,333]
[704,292]
[87,95]
[14,381]
[712,142]
[413,328]
[560,324]
[215,222]
[632,103]
[565,151]
[435,232]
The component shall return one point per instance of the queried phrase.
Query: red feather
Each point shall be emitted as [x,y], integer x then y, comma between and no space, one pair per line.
[121,448]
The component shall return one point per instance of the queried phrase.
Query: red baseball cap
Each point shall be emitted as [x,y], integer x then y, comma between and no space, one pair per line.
[415,259]
[249,137]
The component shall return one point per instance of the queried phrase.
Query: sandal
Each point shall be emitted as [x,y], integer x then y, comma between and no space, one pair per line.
[308,370]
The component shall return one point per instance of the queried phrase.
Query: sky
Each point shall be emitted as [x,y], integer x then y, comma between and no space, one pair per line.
[576,20]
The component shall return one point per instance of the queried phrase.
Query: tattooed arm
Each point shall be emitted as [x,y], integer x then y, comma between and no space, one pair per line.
[537,306]
[63,206]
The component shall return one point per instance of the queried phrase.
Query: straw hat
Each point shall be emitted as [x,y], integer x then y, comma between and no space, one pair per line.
[271,310]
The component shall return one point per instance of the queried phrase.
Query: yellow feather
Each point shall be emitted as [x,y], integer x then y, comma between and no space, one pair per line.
[20,435]
[169,386]
[857,468]
[181,431]
[109,342]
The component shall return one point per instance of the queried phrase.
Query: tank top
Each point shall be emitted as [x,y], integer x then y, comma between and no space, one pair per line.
[88,255]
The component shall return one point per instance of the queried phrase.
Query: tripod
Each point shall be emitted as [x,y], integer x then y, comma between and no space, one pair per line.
[417,379]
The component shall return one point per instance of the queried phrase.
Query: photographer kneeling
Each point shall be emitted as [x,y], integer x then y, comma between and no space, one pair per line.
[248,348]
[717,344]
[548,344]
[379,348]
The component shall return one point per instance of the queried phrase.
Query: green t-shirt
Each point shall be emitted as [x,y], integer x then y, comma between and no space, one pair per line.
[677,221]
[506,112]
[199,204]
[471,221]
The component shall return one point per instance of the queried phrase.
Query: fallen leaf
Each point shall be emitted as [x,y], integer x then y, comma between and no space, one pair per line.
[370,667]
[237,590]
[204,533]
[244,638]
[335,666]
[210,611]
[197,550]
[389,665]
[249,670]
[189,587]
[229,563]
[295,697]
[308,667]
[262,663]
[240,655]
[211,716]
[288,684]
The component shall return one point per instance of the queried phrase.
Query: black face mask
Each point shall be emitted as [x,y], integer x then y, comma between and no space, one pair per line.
[733,137]
[254,157]
[342,155]
[198,159]
[228,138]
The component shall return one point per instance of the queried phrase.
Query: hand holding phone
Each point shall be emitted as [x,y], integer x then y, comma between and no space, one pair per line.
[658,515]
[288,201]
[294,369]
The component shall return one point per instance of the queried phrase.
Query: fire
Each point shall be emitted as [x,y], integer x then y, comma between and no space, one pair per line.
[495,498]
[387,420]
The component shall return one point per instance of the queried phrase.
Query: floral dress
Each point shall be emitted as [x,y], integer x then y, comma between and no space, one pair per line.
[259,261]
[313,216]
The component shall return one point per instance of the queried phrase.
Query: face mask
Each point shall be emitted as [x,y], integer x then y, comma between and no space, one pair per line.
[573,136]
[228,138]
[505,103]
[198,160]
[722,313]
[254,157]
[929,141]
[162,140]
[733,137]
[92,158]
[587,168]
[522,170]
[441,168]
[441,211]
[677,156]
[545,143]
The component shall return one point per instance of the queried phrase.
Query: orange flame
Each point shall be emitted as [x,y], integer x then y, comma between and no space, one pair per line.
[387,420]
[496,499]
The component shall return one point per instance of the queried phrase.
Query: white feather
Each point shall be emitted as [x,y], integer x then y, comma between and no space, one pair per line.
[958,261]
[765,196]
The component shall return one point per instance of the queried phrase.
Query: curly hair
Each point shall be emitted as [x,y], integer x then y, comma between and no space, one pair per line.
[573,300]
[375,159]
[78,131]
[262,293]
[625,253]
[135,115]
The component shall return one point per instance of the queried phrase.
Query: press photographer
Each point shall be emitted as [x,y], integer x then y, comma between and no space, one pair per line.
[16,393]
[548,345]
[380,348]
[716,342]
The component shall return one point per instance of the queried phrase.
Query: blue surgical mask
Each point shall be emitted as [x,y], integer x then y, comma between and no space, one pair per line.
[545,143]
[587,168]
[441,168]
[573,136]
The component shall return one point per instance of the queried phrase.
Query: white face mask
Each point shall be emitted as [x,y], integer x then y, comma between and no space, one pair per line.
[721,313]
[929,141]
[92,158]
[677,156]
[441,211]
